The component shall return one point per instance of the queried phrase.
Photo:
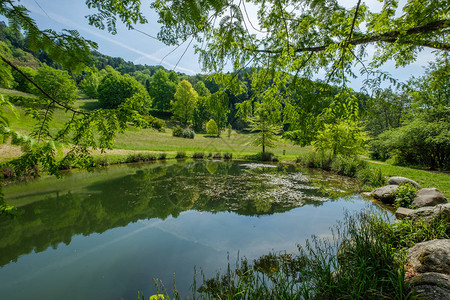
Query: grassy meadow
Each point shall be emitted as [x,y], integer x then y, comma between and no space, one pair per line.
[136,140]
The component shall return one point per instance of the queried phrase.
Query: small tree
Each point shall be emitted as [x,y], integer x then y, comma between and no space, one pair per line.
[266,132]
[344,137]
[185,102]
[211,127]
[57,83]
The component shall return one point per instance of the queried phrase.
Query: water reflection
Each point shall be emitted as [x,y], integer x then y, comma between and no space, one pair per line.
[146,201]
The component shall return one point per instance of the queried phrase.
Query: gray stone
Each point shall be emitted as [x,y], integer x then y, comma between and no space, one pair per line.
[429,197]
[431,285]
[403,212]
[385,194]
[429,213]
[430,256]
[402,180]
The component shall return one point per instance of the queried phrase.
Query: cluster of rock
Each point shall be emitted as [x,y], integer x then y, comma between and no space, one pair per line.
[428,268]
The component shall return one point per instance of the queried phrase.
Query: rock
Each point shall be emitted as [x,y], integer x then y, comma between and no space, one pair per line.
[429,197]
[430,286]
[385,194]
[402,180]
[403,212]
[430,256]
[429,213]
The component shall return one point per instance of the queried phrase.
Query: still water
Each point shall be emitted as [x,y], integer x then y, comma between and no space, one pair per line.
[107,234]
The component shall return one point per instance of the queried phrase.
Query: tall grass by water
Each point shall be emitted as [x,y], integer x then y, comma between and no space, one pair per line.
[364,259]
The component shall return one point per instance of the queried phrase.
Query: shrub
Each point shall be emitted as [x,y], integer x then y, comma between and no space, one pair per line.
[217,155]
[140,157]
[177,131]
[227,156]
[153,122]
[180,154]
[162,156]
[418,143]
[211,127]
[198,155]
[188,133]
[405,195]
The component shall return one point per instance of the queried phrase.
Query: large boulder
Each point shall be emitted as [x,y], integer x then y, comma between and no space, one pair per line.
[385,194]
[429,197]
[429,213]
[430,256]
[397,180]
[403,212]
[431,285]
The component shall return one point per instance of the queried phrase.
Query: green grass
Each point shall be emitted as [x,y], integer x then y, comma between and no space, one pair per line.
[425,178]
[139,140]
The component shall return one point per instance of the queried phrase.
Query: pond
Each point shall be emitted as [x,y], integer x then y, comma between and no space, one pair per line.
[106,234]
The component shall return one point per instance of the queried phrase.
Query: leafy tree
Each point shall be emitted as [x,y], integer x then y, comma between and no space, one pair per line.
[385,111]
[265,126]
[20,82]
[344,137]
[89,85]
[162,90]
[218,107]
[184,103]
[424,139]
[114,89]
[201,113]
[58,83]
[211,128]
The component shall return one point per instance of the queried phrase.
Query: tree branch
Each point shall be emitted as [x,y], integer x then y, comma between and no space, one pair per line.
[40,89]
[389,37]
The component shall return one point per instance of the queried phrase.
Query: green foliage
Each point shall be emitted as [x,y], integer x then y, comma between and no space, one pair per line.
[153,122]
[89,84]
[345,165]
[227,156]
[404,195]
[180,154]
[114,89]
[211,127]
[162,90]
[407,233]
[344,137]
[217,105]
[57,83]
[419,142]
[141,157]
[188,133]
[198,155]
[366,267]
[266,133]
[177,131]
[22,84]
[185,102]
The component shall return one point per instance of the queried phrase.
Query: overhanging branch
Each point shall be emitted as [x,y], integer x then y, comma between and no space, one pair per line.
[389,37]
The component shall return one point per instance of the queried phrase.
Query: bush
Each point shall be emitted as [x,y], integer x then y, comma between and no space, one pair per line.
[198,155]
[180,154]
[418,143]
[188,133]
[211,127]
[227,156]
[140,157]
[217,155]
[177,131]
[405,195]
[162,156]
[153,122]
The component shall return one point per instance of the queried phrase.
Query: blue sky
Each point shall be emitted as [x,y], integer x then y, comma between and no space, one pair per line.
[141,49]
